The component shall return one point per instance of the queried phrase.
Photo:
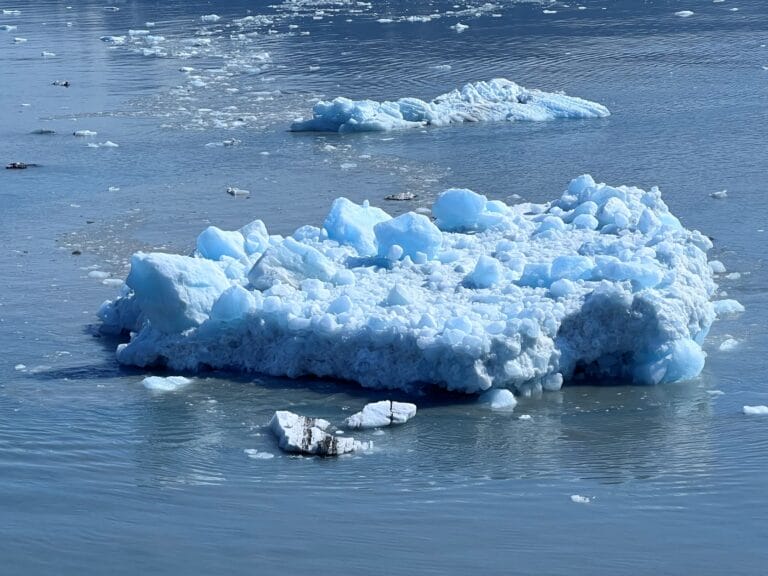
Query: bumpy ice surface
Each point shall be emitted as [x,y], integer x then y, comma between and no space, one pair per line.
[603,282]
[497,99]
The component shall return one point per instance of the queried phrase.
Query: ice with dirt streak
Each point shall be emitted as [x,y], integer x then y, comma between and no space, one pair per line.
[602,283]
[494,100]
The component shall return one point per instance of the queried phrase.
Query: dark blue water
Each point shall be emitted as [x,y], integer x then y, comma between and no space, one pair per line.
[98,474]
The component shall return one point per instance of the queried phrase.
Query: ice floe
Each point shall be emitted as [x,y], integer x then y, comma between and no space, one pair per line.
[494,100]
[498,399]
[603,282]
[577,499]
[165,384]
[383,413]
[755,410]
[302,435]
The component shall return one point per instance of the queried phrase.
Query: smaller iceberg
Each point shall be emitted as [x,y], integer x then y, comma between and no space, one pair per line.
[493,100]
[383,413]
[302,435]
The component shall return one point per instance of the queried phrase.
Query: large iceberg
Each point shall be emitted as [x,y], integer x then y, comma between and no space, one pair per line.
[497,99]
[603,283]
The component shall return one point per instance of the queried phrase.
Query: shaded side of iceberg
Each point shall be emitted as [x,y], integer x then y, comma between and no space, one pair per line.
[602,283]
[494,100]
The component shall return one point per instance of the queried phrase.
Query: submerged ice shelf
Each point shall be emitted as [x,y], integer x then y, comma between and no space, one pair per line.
[497,99]
[603,282]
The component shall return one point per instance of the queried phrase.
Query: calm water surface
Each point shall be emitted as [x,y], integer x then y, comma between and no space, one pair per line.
[97,474]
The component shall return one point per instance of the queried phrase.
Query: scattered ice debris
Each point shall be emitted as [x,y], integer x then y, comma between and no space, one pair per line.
[383,413]
[20,367]
[210,18]
[302,435]
[723,307]
[258,455]
[580,499]
[401,196]
[11,12]
[604,281]
[165,384]
[459,27]
[720,194]
[495,100]
[525,417]
[755,410]
[84,133]
[113,189]
[45,54]
[116,40]
[112,282]
[684,13]
[64,83]
[98,274]
[107,144]
[733,276]
[234,191]
[545,11]
[441,67]
[498,399]
[19,40]
[728,345]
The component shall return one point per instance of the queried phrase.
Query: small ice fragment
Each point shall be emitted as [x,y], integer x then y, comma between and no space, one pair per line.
[717,267]
[580,499]
[20,367]
[45,54]
[401,196]
[167,384]
[98,274]
[383,413]
[302,435]
[715,392]
[11,12]
[720,194]
[498,399]
[256,455]
[733,276]
[234,191]
[113,189]
[525,417]
[108,144]
[19,40]
[112,282]
[723,307]
[84,133]
[7,27]
[684,13]
[459,27]
[348,165]
[728,345]
[755,410]
[549,11]
[210,18]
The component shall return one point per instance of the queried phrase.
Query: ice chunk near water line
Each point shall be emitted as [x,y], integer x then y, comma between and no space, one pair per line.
[755,410]
[165,384]
[498,399]
[728,306]
[383,413]
[302,435]
[494,100]
[578,499]
[489,296]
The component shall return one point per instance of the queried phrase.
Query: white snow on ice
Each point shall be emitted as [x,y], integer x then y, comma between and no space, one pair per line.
[602,282]
[495,100]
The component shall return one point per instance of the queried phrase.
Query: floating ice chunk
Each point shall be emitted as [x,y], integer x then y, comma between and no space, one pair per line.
[84,133]
[498,399]
[20,367]
[19,40]
[459,27]
[8,27]
[45,54]
[720,194]
[167,384]
[547,300]
[11,12]
[728,345]
[302,435]
[210,18]
[755,410]
[577,499]
[684,13]
[728,306]
[108,144]
[495,100]
[525,417]
[383,413]
[717,267]
[116,40]
[235,191]
[138,32]
[98,274]
[258,455]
